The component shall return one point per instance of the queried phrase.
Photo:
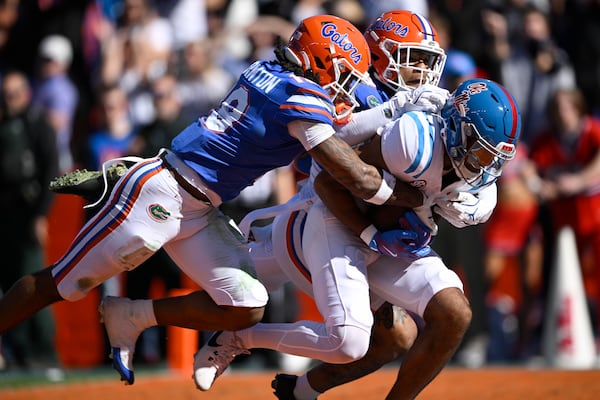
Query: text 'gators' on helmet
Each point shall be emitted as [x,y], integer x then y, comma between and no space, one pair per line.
[333,53]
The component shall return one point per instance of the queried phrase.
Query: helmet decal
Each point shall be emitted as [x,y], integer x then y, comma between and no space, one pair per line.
[330,31]
[390,26]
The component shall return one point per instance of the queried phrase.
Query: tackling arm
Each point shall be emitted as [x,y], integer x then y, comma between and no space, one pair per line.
[362,179]
[344,207]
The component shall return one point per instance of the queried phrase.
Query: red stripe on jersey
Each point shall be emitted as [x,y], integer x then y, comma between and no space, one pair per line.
[309,110]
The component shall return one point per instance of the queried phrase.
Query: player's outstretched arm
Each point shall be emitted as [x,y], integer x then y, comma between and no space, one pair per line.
[362,179]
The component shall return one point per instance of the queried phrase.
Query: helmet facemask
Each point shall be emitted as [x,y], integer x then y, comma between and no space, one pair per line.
[342,88]
[409,56]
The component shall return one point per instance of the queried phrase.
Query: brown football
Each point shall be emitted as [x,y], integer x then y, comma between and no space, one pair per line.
[385,217]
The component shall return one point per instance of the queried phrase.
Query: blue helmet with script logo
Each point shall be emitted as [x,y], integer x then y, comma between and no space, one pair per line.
[483,125]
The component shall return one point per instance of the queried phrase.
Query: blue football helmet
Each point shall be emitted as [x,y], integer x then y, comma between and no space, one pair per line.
[483,125]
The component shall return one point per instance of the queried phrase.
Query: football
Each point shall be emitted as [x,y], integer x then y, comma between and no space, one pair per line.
[386,217]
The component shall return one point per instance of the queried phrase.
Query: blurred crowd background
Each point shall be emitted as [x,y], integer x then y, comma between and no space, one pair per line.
[85,81]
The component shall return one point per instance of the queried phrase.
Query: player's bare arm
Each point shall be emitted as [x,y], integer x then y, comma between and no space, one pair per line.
[360,178]
[344,165]
[343,204]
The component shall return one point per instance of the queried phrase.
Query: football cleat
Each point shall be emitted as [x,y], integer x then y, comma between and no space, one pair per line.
[284,385]
[122,329]
[214,357]
[87,184]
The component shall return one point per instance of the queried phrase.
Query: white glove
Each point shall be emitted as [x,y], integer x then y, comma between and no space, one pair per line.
[425,215]
[397,103]
[429,97]
[465,209]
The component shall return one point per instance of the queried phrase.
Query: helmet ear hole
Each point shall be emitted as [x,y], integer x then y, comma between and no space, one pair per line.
[320,64]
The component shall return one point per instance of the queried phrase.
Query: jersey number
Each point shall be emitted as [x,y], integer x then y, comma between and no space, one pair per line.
[230,112]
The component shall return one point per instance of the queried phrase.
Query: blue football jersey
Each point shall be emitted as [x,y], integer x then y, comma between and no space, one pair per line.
[247,135]
[368,97]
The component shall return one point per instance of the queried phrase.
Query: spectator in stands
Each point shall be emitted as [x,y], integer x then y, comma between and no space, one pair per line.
[28,161]
[532,67]
[202,82]
[567,160]
[137,52]
[56,94]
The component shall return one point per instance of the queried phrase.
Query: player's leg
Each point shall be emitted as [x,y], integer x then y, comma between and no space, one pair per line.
[266,265]
[141,215]
[28,295]
[427,287]
[92,258]
[340,291]
[344,337]
[394,332]
[213,254]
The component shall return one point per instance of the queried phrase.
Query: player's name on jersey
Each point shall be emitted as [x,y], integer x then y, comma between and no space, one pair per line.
[261,78]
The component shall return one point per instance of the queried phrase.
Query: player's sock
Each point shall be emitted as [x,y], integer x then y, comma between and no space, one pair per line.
[303,390]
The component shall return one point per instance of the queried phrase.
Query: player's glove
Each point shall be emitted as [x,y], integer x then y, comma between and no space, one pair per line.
[429,97]
[465,209]
[419,246]
[392,243]
[395,242]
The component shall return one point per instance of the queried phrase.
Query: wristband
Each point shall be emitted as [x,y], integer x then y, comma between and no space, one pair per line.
[385,190]
[368,233]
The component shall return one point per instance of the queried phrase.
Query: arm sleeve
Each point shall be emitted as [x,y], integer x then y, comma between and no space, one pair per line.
[310,134]
[364,124]
[488,197]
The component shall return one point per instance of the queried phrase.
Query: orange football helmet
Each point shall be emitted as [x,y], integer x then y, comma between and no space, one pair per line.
[334,53]
[401,39]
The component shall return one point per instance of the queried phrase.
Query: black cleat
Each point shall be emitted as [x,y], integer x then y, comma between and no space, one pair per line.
[284,385]
[88,184]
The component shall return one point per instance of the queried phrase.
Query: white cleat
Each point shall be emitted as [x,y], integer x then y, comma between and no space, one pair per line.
[215,356]
[120,323]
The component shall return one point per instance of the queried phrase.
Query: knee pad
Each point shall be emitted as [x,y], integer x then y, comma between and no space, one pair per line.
[353,343]
[134,252]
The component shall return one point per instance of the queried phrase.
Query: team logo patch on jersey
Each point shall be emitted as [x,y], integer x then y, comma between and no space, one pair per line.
[419,184]
[158,212]
[372,101]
